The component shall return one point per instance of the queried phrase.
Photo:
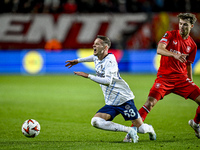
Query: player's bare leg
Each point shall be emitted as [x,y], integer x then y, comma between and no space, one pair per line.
[147,107]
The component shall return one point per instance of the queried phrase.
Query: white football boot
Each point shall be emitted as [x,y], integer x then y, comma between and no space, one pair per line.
[133,134]
[127,139]
[152,134]
[195,127]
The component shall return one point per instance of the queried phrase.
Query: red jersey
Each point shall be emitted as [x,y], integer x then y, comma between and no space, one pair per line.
[169,66]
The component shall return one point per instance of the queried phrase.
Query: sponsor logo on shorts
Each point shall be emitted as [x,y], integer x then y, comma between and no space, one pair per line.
[127,107]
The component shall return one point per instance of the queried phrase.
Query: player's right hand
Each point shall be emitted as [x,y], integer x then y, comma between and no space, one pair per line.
[83,74]
[71,63]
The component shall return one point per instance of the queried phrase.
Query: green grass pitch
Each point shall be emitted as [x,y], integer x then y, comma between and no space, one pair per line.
[65,104]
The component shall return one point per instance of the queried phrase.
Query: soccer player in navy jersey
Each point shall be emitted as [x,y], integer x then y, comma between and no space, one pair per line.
[177,50]
[118,96]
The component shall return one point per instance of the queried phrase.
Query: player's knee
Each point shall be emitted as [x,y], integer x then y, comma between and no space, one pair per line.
[151,102]
[95,121]
[197,100]
[149,105]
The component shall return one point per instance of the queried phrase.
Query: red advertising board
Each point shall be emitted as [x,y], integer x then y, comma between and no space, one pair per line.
[126,31]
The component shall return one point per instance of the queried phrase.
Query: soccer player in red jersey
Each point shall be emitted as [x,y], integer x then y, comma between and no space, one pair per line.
[177,50]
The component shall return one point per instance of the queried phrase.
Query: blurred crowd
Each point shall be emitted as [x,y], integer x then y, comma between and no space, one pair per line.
[97,6]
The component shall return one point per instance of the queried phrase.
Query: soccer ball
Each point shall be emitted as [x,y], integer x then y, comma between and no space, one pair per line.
[31,128]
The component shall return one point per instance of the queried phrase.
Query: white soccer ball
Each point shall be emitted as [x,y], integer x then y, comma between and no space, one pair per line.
[31,128]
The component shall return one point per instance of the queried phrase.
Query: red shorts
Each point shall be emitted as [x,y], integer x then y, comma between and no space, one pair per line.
[181,86]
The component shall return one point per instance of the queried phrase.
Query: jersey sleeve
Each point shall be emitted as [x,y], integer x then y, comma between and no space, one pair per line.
[111,69]
[86,59]
[166,38]
[104,81]
[192,55]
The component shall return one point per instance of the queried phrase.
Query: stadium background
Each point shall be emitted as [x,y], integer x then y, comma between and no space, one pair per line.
[34,82]
[134,27]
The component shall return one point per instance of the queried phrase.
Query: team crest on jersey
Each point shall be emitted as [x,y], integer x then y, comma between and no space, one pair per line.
[188,49]
[157,85]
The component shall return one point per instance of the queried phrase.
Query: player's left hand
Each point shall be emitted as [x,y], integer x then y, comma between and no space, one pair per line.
[83,74]
[181,57]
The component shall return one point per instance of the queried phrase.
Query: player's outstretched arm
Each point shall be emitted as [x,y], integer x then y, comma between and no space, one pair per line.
[100,80]
[83,74]
[163,51]
[71,63]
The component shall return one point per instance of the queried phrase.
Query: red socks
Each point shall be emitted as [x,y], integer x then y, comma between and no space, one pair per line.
[197,116]
[143,113]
